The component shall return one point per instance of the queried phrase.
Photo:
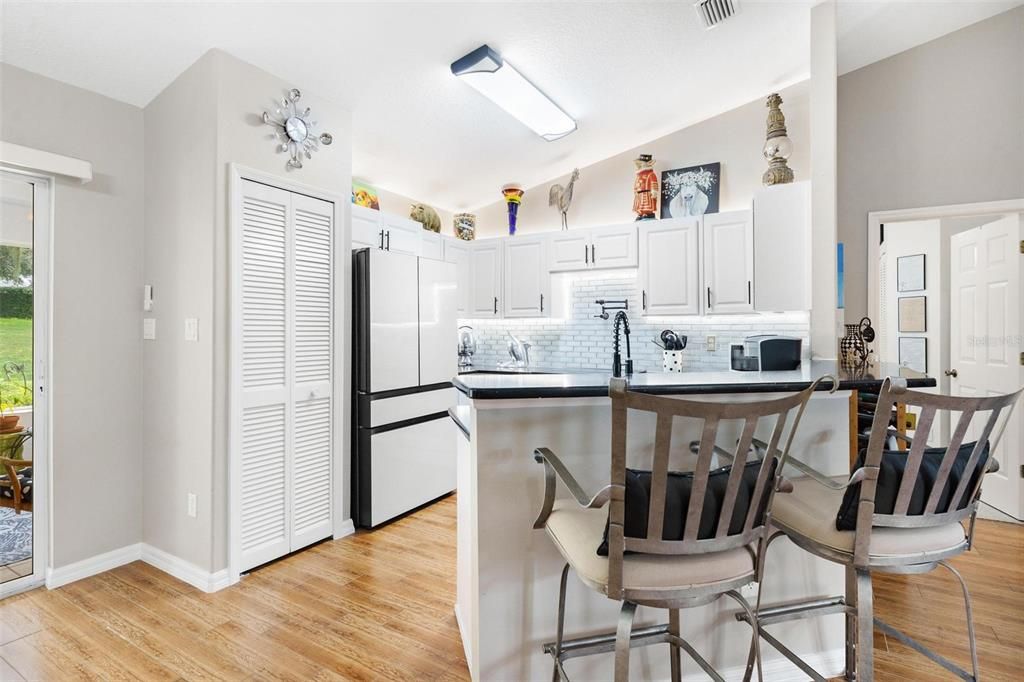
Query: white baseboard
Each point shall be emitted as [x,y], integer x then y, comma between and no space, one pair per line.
[347,528]
[185,570]
[828,663]
[55,577]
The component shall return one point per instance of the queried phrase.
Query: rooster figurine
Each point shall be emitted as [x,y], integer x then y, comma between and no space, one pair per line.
[561,196]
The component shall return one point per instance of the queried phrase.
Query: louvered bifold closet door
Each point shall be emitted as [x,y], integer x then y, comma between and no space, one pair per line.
[263,390]
[313,345]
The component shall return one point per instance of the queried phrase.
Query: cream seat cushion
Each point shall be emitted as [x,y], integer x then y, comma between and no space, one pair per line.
[810,510]
[578,532]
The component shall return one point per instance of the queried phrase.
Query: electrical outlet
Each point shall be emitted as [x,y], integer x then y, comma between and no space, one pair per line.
[711,344]
[193,505]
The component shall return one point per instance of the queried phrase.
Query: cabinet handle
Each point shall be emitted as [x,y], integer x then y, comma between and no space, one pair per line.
[586,254]
[749,297]
[709,298]
[644,292]
[382,240]
[495,305]
[593,254]
[389,240]
[542,302]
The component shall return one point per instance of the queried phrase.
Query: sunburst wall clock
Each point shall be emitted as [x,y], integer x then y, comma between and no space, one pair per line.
[295,130]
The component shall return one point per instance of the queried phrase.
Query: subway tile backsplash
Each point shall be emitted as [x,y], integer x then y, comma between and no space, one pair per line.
[579,340]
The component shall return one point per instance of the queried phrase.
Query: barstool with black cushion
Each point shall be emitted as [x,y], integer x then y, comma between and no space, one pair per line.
[668,540]
[900,512]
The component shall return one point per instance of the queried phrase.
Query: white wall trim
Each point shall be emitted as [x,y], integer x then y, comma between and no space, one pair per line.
[878,218]
[56,577]
[828,663]
[344,529]
[184,570]
[45,162]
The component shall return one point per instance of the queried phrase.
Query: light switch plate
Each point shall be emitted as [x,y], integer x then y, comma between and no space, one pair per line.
[712,344]
[149,328]
[191,329]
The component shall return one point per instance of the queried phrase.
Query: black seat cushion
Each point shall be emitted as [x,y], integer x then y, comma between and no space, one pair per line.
[890,477]
[677,500]
[24,478]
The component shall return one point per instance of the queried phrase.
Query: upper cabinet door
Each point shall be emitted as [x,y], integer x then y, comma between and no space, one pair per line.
[402,235]
[457,251]
[485,278]
[366,228]
[569,250]
[729,262]
[613,247]
[527,279]
[431,246]
[669,266]
[782,247]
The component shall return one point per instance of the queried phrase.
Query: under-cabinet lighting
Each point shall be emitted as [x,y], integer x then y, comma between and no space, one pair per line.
[500,82]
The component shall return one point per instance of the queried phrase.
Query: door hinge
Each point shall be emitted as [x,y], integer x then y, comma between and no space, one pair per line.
[1022,359]
[1022,245]
[1022,470]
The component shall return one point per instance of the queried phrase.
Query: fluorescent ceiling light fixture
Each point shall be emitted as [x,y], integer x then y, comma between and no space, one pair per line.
[498,81]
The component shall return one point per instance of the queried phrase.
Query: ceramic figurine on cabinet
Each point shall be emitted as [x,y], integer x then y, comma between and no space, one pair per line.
[645,188]
[465,226]
[513,194]
[426,216]
[777,146]
[560,197]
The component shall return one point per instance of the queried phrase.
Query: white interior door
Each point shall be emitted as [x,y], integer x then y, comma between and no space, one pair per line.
[394,321]
[438,326]
[313,352]
[282,429]
[669,262]
[729,262]
[985,332]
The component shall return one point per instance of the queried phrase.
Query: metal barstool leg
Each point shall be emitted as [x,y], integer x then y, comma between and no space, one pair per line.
[865,628]
[622,641]
[555,675]
[851,624]
[755,641]
[970,617]
[673,629]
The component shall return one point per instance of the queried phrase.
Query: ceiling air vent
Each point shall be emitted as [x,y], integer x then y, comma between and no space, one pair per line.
[714,12]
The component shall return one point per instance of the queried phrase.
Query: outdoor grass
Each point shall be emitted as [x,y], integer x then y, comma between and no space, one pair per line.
[15,346]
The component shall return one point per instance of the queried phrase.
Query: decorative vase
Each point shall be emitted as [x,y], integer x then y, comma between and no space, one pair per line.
[465,226]
[513,197]
[777,146]
[853,347]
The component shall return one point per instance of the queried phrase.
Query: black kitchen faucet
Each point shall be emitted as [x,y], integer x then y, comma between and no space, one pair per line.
[621,325]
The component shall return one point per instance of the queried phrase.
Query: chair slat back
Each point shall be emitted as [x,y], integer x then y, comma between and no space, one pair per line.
[996,409]
[712,416]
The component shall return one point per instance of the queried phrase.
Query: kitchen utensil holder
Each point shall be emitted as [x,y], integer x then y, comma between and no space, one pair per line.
[672,360]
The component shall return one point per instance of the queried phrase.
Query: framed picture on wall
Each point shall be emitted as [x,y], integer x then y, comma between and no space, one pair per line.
[914,353]
[690,191]
[913,314]
[910,273]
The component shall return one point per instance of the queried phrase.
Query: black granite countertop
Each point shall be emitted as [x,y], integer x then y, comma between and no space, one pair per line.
[497,386]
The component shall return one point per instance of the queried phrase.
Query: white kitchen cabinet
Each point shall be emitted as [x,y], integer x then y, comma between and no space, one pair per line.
[431,246]
[527,280]
[485,277]
[599,247]
[782,247]
[613,247]
[402,235]
[457,251]
[670,266]
[366,229]
[728,250]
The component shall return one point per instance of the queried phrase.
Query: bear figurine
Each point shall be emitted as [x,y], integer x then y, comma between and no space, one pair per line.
[426,216]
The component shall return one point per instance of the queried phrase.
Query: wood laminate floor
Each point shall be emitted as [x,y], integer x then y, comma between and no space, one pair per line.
[379,606]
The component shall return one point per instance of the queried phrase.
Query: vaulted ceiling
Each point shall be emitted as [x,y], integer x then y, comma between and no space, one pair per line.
[627,71]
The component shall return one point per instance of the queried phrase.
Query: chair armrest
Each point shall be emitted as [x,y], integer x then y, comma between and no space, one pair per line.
[554,469]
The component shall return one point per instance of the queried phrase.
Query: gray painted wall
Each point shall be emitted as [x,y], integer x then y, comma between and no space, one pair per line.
[97,292]
[938,124]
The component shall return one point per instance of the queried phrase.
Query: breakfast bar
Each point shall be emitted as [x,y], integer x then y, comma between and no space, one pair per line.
[508,573]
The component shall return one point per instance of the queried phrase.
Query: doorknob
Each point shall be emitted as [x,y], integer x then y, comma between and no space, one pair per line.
[951,373]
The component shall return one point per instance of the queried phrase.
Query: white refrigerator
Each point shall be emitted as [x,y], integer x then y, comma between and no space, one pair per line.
[404,333]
